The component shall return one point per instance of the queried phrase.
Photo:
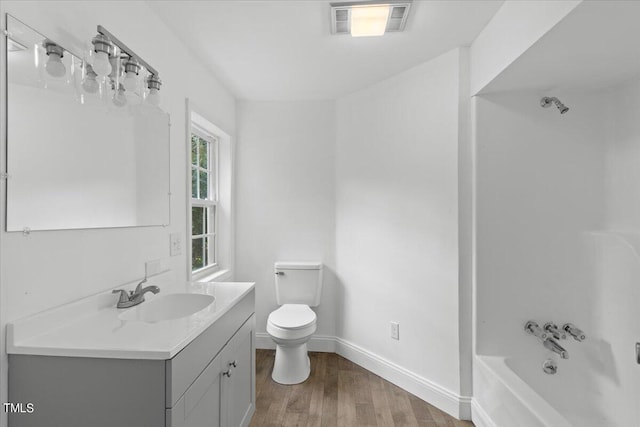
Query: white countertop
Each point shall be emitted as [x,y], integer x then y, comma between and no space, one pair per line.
[91,327]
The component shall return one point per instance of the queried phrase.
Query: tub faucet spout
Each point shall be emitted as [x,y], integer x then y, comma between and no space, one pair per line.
[552,345]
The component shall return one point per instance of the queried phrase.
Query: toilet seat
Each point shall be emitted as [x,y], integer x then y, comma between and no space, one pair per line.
[292,322]
[292,316]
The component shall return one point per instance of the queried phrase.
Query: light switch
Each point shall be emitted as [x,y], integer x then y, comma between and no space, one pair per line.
[176,244]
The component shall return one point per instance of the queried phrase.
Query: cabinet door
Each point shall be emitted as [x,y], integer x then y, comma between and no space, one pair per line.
[238,378]
[200,405]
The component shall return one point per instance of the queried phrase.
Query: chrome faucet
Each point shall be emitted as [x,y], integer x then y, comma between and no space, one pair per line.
[552,345]
[131,298]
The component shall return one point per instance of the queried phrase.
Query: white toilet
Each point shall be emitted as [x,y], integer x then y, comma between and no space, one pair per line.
[298,286]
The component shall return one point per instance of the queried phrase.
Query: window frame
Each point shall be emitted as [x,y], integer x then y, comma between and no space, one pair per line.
[213,171]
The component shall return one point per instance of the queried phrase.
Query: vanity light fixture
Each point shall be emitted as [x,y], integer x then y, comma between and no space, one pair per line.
[102,47]
[55,52]
[369,18]
[154,83]
[112,57]
[131,69]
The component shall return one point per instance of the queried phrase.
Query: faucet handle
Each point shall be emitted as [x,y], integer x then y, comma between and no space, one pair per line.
[576,333]
[124,295]
[139,287]
[532,328]
[552,328]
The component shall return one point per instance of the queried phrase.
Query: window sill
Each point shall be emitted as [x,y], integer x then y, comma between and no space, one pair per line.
[216,276]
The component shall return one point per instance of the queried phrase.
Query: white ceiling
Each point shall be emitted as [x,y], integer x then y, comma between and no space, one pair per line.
[284,50]
[597,45]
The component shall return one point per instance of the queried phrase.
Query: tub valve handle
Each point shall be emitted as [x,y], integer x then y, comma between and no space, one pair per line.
[532,328]
[556,333]
[576,333]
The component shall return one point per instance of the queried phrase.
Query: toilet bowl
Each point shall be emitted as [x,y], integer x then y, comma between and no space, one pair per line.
[298,287]
[290,327]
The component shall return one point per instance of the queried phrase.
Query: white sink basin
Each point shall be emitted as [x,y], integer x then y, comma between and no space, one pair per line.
[167,307]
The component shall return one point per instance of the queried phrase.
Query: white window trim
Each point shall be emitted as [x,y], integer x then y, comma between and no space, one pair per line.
[222,270]
[209,203]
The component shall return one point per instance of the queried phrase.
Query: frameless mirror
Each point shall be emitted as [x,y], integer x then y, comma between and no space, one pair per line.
[79,154]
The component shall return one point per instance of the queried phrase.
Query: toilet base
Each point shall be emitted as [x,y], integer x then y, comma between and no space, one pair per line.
[292,365]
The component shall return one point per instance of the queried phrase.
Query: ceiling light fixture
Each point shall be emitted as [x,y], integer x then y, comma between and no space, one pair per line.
[367,21]
[369,18]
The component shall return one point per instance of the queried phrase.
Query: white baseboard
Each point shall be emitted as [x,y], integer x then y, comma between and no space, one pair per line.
[479,416]
[438,396]
[321,343]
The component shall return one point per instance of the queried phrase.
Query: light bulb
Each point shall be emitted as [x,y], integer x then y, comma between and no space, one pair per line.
[131,81]
[54,66]
[119,98]
[90,84]
[154,97]
[101,64]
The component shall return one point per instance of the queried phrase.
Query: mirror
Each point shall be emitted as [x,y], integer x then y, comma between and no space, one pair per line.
[74,158]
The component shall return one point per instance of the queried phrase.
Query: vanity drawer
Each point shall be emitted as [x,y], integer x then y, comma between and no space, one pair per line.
[188,364]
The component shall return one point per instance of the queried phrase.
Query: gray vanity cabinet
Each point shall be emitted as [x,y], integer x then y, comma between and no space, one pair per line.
[224,393]
[238,379]
[209,383]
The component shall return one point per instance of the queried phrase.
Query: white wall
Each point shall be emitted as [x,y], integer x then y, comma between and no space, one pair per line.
[397,219]
[47,269]
[539,189]
[286,197]
[516,26]
[617,256]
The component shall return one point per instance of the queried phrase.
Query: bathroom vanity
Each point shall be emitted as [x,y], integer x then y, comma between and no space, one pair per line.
[83,365]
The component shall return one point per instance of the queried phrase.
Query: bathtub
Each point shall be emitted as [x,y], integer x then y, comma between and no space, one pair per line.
[503,399]
[508,393]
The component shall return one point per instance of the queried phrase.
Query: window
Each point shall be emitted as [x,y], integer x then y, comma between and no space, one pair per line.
[209,195]
[204,200]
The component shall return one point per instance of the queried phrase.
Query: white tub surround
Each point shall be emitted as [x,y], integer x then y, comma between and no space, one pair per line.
[91,327]
[503,398]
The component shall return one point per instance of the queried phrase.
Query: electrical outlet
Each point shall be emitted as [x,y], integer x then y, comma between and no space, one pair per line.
[176,244]
[395,330]
[151,268]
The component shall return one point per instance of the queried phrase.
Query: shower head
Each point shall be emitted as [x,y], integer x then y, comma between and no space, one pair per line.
[547,101]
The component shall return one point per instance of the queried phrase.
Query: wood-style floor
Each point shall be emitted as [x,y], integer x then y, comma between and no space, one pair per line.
[339,393]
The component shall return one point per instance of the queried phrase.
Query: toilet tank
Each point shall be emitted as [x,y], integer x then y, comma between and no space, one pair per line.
[298,283]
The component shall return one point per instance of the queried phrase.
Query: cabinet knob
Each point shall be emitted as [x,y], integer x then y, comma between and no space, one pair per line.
[227,374]
[234,363]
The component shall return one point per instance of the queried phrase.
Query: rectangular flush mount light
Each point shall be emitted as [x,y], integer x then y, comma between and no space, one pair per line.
[369,18]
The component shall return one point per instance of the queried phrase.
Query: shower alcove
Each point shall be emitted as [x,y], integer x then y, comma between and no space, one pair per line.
[558,225]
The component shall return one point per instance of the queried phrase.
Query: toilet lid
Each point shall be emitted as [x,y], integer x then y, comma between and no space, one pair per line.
[292,316]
